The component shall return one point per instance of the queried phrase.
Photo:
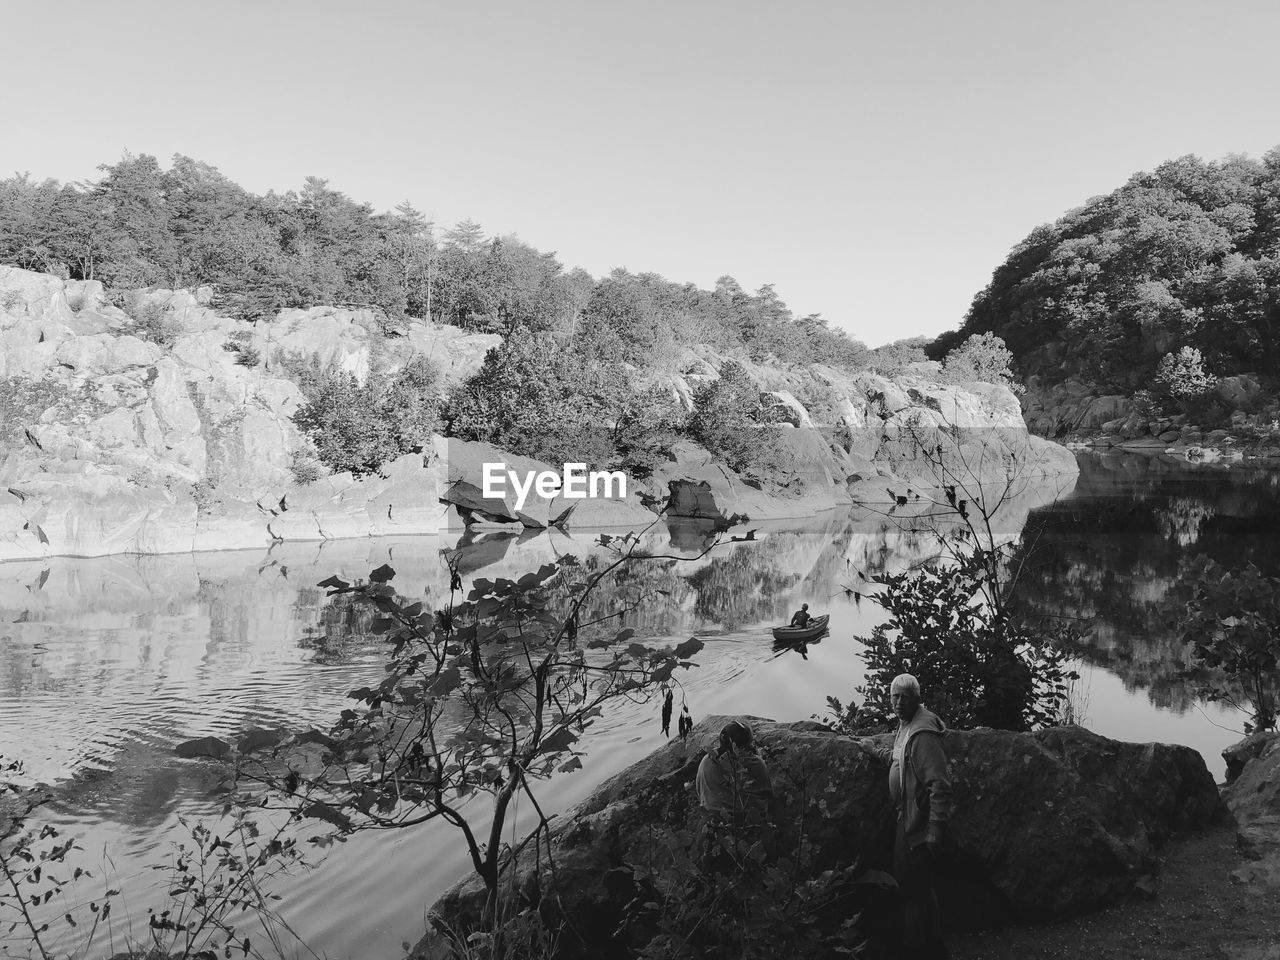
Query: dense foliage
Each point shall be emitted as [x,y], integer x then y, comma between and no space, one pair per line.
[358,427]
[485,696]
[142,225]
[540,399]
[726,420]
[978,666]
[1185,256]
[1232,622]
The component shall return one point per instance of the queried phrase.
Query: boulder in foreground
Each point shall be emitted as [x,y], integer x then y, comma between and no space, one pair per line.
[1047,824]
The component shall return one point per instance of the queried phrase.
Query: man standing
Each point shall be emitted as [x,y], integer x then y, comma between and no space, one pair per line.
[920,785]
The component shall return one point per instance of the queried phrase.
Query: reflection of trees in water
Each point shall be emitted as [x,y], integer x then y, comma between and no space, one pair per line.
[339,628]
[1113,565]
[1182,519]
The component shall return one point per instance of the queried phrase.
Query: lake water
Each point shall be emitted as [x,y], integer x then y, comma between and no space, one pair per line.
[106,664]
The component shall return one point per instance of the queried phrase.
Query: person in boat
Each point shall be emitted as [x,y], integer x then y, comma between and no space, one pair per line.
[920,784]
[801,618]
[732,781]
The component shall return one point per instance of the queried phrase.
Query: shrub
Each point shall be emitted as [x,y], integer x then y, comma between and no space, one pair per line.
[1182,378]
[151,322]
[358,427]
[305,468]
[982,357]
[534,398]
[726,420]
[976,667]
[246,354]
[1232,623]
[22,402]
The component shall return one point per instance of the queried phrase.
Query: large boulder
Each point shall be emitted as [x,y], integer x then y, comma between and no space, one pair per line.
[465,463]
[1239,391]
[1046,825]
[1253,794]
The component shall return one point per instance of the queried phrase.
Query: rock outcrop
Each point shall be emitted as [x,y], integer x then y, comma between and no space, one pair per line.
[1046,825]
[164,427]
[1253,794]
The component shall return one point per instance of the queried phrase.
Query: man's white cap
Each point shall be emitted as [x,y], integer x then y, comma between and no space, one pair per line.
[904,683]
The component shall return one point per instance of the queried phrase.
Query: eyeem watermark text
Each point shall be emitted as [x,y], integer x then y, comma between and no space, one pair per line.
[575,483]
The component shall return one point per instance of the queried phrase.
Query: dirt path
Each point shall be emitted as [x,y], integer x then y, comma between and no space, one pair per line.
[1199,913]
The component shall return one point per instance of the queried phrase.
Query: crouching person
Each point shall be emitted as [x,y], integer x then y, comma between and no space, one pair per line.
[733,786]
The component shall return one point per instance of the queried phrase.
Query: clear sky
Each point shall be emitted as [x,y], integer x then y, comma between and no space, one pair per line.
[873,160]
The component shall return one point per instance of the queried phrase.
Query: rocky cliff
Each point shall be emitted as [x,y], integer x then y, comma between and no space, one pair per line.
[164,427]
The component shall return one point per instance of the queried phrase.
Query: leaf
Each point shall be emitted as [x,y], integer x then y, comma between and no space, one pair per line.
[381,575]
[624,635]
[687,649]
[323,811]
[335,583]
[574,763]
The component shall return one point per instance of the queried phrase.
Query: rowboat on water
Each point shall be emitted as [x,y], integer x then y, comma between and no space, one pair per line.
[815,628]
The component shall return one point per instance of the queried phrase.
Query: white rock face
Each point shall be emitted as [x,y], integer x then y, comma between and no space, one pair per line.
[145,447]
[152,449]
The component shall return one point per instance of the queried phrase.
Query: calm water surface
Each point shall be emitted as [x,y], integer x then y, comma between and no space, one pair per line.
[106,664]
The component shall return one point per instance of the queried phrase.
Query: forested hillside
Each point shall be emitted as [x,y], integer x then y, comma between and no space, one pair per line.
[140,225]
[1122,292]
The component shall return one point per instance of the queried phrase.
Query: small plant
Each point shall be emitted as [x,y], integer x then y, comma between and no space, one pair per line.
[12,300]
[246,354]
[305,467]
[38,873]
[151,322]
[22,403]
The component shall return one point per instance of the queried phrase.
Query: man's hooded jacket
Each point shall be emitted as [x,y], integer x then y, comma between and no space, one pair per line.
[919,780]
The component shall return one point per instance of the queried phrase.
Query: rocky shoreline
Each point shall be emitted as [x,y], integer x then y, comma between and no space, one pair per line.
[169,430]
[1048,825]
[1074,414]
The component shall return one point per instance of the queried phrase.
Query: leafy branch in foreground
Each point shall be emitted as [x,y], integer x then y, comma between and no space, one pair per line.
[1232,623]
[209,886]
[953,621]
[483,697]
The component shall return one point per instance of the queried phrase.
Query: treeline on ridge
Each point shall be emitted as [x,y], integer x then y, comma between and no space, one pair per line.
[574,378]
[143,226]
[1167,282]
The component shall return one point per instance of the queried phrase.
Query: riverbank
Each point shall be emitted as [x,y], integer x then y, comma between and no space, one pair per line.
[1199,911]
[170,429]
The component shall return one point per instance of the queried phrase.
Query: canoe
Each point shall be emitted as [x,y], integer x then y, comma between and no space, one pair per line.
[816,628]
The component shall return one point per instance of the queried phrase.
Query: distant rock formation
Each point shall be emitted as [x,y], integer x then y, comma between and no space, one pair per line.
[168,429]
[1046,825]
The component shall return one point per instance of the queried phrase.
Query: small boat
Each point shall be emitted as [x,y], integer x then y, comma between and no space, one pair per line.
[816,628]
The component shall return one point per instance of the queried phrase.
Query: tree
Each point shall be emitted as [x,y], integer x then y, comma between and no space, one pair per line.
[486,696]
[726,420]
[1181,377]
[893,358]
[134,204]
[358,427]
[954,622]
[982,357]
[534,398]
[980,666]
